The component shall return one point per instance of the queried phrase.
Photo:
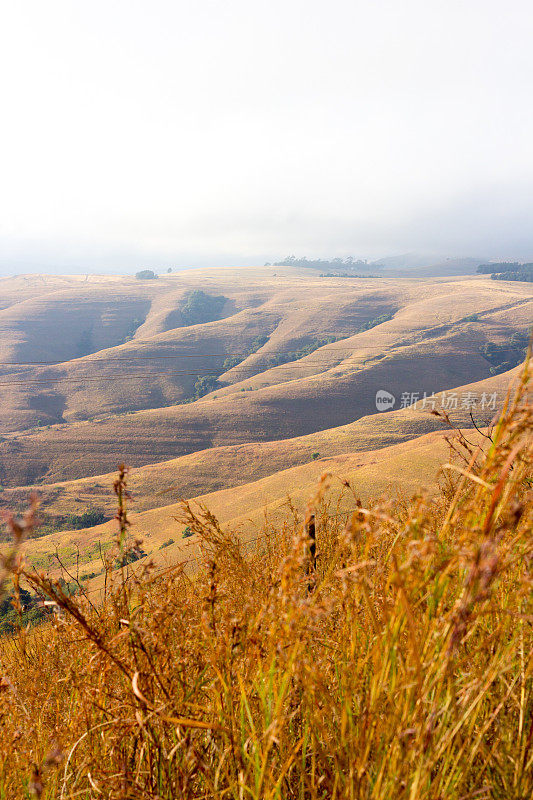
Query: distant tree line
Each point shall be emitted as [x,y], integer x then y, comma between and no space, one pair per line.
[525,275]
[508,271]
[500,266]
[325,264]
[70,522]
[366,275]
[295,355]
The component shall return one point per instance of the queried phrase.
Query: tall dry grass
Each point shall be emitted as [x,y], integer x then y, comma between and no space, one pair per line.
[401,668]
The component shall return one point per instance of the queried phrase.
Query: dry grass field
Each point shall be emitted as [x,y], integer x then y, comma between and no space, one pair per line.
[389,657]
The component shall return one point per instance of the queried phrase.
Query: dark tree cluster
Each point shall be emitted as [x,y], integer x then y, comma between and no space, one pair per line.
[197,307]
[508,271]
[146,275]
[13,615]
[503,357]
[325,264]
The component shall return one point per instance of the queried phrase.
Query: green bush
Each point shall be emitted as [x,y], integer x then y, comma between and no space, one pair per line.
[10,619]
[130,556]
[257,344]
[146,275]
[373,323]
[197,307]
[166,544]
[231,362]
[296,355]
[88,519]
[204,385]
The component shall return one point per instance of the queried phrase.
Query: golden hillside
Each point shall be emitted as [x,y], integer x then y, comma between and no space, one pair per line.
[291,365]
[134,401]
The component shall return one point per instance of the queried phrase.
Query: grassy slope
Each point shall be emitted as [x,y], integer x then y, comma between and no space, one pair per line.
[262,308]
[399,469]
[399,450]
[418,361]
[216,468]
[139,374]
[324,403]
[82,449]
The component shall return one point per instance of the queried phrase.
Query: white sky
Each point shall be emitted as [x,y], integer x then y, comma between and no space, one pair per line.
[159,132]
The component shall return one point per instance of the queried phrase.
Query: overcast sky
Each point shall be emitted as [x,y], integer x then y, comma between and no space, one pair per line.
[196,132]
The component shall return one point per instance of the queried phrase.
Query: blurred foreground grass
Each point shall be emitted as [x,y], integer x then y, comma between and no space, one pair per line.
[400,667]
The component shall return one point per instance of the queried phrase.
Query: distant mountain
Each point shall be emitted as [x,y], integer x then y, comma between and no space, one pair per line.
[406,260]
[429,265]
[420,264]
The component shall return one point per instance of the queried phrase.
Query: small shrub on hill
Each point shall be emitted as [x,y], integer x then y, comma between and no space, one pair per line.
[373,323]
[295,355]
[166,544]
[198,306]
[87,519]
[135,323]
[19,609]
[204,385]
[146,275]
[233,361]
[130,556]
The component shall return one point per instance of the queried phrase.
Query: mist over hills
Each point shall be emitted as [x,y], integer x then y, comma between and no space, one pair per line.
[85,262]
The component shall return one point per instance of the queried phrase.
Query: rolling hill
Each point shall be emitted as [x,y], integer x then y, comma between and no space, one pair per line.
[136,401]
[395,471]
[270,381]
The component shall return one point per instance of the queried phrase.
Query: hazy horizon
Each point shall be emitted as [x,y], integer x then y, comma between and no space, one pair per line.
[173,134]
